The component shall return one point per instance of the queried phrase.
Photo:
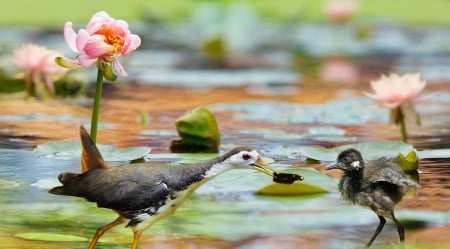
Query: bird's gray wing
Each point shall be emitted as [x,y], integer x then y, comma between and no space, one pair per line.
[118,189]
[386,170]
[124,197]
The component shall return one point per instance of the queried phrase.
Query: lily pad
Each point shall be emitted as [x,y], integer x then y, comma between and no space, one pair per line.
[314,183]
[26,117]
[72,150]
[214,48]
[370,150]
[437,153]
[198,131]
[51,237]
[410,162]
[355,111]
[271,134]
[5,184]
[161,133]
[327,133]
[296,188]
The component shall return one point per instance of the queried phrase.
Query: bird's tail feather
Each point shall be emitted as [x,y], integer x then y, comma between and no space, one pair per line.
[90,157]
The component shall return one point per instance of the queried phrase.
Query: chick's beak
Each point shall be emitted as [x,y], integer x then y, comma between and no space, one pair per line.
[263,167]
[334,165]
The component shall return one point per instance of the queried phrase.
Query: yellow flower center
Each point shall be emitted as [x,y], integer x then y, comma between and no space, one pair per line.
[112,39]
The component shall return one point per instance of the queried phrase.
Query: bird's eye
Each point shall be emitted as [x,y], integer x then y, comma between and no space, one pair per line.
[246,156]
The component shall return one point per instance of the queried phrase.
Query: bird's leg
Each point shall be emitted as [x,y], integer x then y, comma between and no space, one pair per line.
[378,230]
[400,228]
[102,230]
[137,235]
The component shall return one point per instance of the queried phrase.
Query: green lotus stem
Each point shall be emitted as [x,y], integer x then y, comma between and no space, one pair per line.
[28,86]
[96,107]
[402,124]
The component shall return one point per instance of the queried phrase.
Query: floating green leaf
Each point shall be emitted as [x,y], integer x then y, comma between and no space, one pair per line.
[297,188]
[214,48]
[198,131]
[161,133]
[314,183]
[271,133]
[437,153]
[72,149]
[327,133]
[51,237]
[410,162]
[370,150]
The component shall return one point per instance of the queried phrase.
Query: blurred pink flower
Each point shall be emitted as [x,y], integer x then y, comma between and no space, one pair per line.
[104,40]
[339,11]
[338,70]
[39,64]
[395,90]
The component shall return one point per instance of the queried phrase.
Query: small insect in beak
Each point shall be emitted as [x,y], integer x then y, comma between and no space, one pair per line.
[284,178]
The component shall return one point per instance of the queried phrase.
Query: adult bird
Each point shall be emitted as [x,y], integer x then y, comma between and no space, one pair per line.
[379,185]
[142,194]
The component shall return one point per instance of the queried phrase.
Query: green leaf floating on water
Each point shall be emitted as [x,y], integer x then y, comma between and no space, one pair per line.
[198,131]
[72,150]
[214,48]
[410,162]
[435,153]
[51,237]
[314,183]
[370,150]
[296,188]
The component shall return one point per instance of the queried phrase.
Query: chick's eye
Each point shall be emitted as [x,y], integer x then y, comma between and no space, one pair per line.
[246,156]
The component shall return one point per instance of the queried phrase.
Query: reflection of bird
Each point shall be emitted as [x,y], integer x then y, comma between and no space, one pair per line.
[379,185]
[142,194]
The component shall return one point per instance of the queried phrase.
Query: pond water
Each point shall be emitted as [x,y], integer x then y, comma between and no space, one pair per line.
[226,212]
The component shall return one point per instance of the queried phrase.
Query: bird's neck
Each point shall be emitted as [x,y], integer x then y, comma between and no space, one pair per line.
[216,166]
[351,185]
[216,169]
[194,177]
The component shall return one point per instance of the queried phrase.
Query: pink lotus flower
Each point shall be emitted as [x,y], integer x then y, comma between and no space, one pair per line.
[395,90]
[103,41]
[339,11]
[39,64]
[338,70]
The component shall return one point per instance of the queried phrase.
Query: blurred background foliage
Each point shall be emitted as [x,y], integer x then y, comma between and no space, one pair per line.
[53,13]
